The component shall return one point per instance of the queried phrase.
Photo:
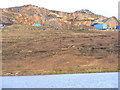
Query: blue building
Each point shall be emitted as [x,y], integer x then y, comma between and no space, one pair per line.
[36,24]
[100,26]
[117,27]
[2,25]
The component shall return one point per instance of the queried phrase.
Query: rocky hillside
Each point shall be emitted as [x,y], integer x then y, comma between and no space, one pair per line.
[30,14]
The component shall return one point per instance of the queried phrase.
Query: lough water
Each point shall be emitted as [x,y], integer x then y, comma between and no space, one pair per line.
[91,80]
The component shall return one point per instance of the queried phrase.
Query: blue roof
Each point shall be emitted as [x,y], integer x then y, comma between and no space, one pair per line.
[2,25]
[117,27]
[36,24]
[100,26]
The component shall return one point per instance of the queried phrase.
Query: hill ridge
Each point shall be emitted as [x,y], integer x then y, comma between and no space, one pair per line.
[30,14]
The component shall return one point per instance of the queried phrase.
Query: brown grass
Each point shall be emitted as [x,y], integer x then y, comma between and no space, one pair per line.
[34,51]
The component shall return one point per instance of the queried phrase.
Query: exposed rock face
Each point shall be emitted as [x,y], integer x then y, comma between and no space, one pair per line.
[30,14]
[84,11]
[112,22]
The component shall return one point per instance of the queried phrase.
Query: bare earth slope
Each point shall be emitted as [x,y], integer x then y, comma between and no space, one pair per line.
[33,52]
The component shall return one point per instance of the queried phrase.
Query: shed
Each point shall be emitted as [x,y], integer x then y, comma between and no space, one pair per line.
[36,24]
[2,25]
[100,26]
[117,27]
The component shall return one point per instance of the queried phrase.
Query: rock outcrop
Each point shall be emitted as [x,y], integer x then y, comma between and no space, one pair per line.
[30,14]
